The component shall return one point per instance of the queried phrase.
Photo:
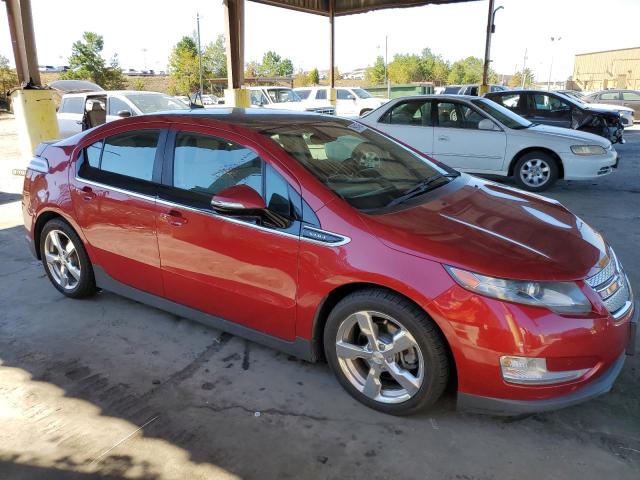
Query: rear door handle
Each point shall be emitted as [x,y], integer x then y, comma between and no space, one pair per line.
[173,217]
[87,193]
[443,138]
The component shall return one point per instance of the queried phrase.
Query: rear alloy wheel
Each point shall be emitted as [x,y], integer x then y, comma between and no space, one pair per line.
[536,171]
[386,352]
[65,260]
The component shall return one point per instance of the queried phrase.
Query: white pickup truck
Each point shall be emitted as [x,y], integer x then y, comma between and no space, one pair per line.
[283,98]
[350,101]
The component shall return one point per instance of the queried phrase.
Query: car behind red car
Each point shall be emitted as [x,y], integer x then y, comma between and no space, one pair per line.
[326,239]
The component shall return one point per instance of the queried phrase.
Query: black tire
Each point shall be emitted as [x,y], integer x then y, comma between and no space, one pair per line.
[86,284]
[536,159]
[428,339]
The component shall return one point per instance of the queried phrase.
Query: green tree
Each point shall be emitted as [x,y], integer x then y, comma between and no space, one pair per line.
[375,74]
[86,62]
[138,84]
[434,67]
[468,70]
[405,69]
[301,79]
[516,79]
[8,77]
[273,65]
[184,67]
[214,58]
[314,77]
[251,69]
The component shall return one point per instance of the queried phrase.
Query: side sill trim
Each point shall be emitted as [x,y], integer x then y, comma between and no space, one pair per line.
[505,407]
[300,347]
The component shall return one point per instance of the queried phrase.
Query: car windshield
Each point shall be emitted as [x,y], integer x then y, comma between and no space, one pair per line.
[365,168]
[151,103]
[573,100]
[361,93]
[502,114]
[283,95]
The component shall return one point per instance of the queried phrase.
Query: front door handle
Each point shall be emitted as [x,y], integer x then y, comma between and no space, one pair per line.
[173,217]
[88,193]
[443,138]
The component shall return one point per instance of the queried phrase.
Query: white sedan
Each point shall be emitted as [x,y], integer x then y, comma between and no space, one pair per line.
[477,135]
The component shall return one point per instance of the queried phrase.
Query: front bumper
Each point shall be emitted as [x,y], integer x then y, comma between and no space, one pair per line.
[501,406]
[579,167]
[601,385]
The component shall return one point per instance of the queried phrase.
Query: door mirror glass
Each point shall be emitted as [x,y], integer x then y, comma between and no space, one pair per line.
[486,124]
[124,113]
[238,200]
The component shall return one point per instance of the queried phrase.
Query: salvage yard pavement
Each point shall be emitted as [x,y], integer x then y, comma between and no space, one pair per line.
[109,388]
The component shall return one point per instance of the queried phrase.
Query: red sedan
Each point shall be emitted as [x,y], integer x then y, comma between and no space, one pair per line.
[323,238]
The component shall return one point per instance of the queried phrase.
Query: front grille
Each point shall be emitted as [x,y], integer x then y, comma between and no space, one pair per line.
[612,285]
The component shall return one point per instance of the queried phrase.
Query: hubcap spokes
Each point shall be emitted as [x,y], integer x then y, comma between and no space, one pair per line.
[62,259]
[535,172]
[379,357]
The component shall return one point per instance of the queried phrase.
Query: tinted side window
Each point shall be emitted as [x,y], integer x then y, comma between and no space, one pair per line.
[93,153]
[72,105]
[410,113]
[205,165]
[321,94]
[510,100]
[344,94]
[277,193]
[116,105]
[131,154]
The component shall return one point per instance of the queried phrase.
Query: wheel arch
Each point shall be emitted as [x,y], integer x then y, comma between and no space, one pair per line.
[42,220]
[333,298]
[548,151]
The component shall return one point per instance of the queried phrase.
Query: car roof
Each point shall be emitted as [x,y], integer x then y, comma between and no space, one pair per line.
[446,96]
[113,92]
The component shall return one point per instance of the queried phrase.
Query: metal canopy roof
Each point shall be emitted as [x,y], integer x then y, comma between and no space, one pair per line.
[348,7]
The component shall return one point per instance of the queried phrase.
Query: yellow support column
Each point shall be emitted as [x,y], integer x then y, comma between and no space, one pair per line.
[36,120]
[237,97]
[333,96]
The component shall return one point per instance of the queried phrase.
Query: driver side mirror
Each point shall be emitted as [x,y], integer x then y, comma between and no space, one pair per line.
[238,200]
[486,124]
[123,113]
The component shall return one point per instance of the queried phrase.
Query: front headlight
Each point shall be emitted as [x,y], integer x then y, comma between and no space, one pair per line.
[561,297]
[588,150]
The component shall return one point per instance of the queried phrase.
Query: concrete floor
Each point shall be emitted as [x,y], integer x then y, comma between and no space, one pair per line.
[109,388]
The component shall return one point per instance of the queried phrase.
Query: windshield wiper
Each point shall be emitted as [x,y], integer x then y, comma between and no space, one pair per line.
[422,187]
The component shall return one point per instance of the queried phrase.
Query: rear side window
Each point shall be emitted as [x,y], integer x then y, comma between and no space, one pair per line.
[131,154]
[630,96]
[344,94]
[321,94]
[303,94]
[72,105]
[510,100]
[205,165]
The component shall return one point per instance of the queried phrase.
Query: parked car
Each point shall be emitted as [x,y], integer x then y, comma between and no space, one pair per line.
[627,115]
[326,239]
[283,98]
[476,135]
[626,98]
[471,89]
[80,111]
[550,108]
[350,101]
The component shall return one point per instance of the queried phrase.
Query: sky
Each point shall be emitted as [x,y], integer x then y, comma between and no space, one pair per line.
[143,32]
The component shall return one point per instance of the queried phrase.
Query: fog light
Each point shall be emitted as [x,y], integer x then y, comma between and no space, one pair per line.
[533,371]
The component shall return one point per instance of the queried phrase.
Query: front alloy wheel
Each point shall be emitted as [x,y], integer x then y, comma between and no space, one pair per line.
[386,352]
[536,171]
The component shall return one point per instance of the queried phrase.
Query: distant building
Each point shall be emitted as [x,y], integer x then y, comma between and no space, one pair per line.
[357,74]
[607,69]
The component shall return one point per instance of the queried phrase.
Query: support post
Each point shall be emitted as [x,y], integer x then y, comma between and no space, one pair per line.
[484,88]
[332,53]
[34,109]
[235,95]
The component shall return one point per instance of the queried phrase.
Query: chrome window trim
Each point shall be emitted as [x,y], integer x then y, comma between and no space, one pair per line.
[221,217]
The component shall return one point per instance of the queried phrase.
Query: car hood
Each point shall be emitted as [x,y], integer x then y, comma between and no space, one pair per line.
[493,230]
[567,134]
